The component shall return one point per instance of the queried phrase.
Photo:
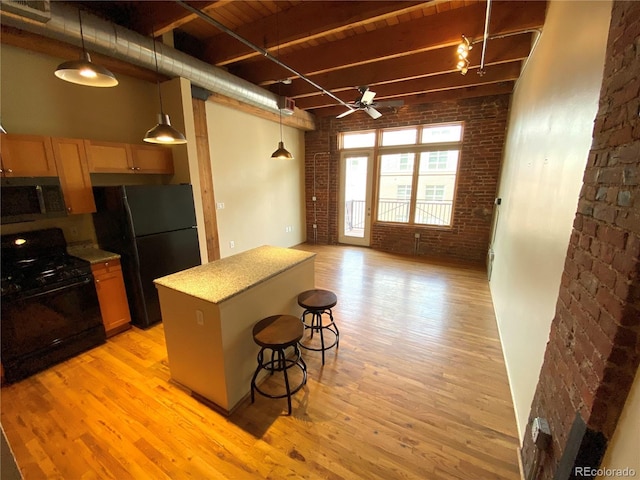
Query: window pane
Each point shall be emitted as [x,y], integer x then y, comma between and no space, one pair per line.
[394,198]
[442,133]
[358,140]
[355,194]
[436,185]
[399,137]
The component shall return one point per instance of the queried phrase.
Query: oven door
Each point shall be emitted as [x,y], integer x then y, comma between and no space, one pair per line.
[45,327]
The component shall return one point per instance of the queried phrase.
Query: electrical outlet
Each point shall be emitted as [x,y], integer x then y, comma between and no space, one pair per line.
[220,205]
[313,198]
[232,244]
[315,225]
[199,317]
[416,235]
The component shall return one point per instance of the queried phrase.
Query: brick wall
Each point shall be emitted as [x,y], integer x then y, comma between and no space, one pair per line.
[594,344]
[485,122]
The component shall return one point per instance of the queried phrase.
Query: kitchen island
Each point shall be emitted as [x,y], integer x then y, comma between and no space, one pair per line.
[209,312]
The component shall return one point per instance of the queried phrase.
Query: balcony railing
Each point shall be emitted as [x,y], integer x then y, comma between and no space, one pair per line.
[390,210]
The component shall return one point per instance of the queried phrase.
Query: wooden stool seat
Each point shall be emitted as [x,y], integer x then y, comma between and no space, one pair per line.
[277,333]
[316,303]
[317,299]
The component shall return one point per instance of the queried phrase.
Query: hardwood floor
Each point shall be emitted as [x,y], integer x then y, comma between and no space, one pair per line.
[417,390]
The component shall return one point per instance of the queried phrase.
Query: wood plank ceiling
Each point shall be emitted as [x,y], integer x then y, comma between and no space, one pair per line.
[402,50]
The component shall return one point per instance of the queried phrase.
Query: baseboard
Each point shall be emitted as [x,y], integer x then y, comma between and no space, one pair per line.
[520,464]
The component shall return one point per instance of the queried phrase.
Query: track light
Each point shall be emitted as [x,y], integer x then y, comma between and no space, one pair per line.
[83,71]
[463,54]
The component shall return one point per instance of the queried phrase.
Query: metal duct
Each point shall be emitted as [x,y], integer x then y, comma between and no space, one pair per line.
[109,39]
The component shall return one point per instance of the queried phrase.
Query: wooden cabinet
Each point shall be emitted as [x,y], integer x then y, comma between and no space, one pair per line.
[112,296]
[152,159]
[27,156]
[110,157]
[71,162]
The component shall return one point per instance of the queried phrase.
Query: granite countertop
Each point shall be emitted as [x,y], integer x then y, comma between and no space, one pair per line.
[91,253]
[222,279]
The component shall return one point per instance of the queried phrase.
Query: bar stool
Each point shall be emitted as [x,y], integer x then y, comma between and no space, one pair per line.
[277,333]
[317,303]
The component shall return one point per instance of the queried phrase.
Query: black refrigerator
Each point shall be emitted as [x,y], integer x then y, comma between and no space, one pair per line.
[153,228]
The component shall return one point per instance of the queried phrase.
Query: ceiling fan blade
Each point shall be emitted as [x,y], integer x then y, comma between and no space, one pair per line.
[348,112]
[373,113]
[367,97]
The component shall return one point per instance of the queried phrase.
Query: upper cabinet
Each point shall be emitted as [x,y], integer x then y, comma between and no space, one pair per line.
[27,156]
[71,162]
[110,157]
[152,159]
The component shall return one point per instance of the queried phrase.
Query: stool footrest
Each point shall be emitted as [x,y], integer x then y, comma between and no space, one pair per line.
[317,325]
[279,363]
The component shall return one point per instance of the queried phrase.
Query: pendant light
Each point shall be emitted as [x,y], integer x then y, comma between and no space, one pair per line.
[163,133]
[281,152]
[83,71]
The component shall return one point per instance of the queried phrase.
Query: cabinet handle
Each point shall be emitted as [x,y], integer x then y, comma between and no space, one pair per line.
[1,170]
[69,209]
[9,170]
[132,168]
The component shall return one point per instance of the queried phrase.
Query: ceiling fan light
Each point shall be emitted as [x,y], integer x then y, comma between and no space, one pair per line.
[163,133]
[85,72]
[282,153]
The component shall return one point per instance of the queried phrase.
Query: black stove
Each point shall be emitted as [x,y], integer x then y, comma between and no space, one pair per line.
[50,308]
[28,275]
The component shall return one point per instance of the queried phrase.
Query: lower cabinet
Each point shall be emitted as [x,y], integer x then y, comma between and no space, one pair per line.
[112,296]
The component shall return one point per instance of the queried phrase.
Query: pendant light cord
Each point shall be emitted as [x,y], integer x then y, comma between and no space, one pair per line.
[155,56]
[279,83]
[84,50]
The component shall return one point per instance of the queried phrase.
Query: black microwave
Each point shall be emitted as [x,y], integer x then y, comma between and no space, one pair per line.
[25,199]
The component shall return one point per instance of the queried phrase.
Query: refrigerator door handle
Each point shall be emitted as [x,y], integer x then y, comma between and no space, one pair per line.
[127,209]
[136,255]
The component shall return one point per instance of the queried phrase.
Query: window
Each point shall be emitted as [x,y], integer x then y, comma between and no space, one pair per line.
[395,185]
[417,168]
[404,192]
[358,140]
[437,161]
[434,193]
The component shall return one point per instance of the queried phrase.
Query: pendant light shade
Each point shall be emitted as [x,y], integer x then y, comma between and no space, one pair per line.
[282,153]
[83,71]
[163,133]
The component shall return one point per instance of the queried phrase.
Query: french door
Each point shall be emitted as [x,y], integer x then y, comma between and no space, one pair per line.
[354,217]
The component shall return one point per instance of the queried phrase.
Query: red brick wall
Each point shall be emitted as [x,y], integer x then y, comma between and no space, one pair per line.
[594,344]
[485,122]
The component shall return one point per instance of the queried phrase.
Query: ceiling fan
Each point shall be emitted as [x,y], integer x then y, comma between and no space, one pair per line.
[366,103]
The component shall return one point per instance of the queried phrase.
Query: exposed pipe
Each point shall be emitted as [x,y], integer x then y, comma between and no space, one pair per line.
[109,39]
[486,36]
[260,50]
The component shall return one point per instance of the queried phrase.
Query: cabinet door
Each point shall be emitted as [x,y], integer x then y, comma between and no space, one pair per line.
[27,156]
[108,157]
[71,162]
[152,159]
[112,296]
